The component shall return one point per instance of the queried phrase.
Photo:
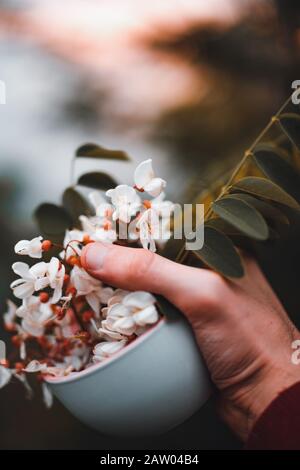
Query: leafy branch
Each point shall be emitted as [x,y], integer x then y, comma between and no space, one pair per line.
[253,201]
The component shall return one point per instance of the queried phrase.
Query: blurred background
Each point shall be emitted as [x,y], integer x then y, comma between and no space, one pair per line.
[188,83]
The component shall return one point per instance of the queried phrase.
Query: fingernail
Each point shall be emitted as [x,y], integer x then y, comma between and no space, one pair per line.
[94,256]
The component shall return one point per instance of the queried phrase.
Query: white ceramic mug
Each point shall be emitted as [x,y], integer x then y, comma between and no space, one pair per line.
[149,387]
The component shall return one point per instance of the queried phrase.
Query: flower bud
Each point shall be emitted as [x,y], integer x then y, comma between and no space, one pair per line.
[107,225]
[73,261]
[86,239]
[19,366]
[87,315]
[44,297]
[71,290]
[47,245]
[147,204]
[60,313]
[16,341]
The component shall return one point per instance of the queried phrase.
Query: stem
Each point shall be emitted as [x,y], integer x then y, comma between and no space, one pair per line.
[182,253]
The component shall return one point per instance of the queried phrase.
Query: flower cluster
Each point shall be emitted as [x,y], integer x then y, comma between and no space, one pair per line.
[67,320]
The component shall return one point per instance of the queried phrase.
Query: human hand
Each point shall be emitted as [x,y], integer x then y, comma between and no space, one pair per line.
[241,327]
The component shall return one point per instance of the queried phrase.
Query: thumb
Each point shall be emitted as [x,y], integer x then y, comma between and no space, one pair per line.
[139,269]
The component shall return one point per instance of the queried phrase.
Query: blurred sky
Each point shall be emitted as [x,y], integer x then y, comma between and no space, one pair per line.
[79,71]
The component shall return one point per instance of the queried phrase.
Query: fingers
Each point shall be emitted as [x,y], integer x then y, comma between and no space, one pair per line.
[139,269]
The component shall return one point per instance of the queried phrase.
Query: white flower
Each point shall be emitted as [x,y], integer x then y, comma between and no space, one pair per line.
[78,358]
[35,366]
[118,296]
[93,227]
[32,279]
[103,209]
[10,315]
[119,320]
[5,376]
[91,288]
[106,236]
[29,305]
[145,179]
[35,315]
[142,305]
[107,349]
[32,248]
[72,242]
[162,207]
[107,330]
[59,371]
[126,202]
[56,273]
[148,224]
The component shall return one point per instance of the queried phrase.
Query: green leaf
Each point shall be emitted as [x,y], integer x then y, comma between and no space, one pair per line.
[172,248]
[222,226]
[218,252]
[97,180]
[278,170]
[52,221]
[266,189]
[242,216]
[267,210]
[290,123]
[96,151]
[75,204]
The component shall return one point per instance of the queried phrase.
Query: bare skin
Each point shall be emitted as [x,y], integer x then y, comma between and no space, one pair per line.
[241,327]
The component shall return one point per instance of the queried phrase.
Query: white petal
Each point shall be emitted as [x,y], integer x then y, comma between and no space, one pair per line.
[106,294]
[35,366]
[35,247]
[118,296]
[57,293]
[21,248]
[107,348]
[155,186]
[23,350]
[143,174]
[109,333]
[110,193]
[125,326]
[139,299]
[5,376]
[38,269]
[32,328]
[10,314]
[41,283]
[96,198]
[124,213]
[152,246]
[47,395]
[147,316]
[94,301]
[24,290]
[21,269]
[53,268]
[118,311]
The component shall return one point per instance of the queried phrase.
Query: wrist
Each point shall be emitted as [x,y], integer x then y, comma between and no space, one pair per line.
[260,393]
[242,407]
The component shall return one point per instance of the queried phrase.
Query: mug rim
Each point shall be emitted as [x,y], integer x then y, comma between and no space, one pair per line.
[76,375]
